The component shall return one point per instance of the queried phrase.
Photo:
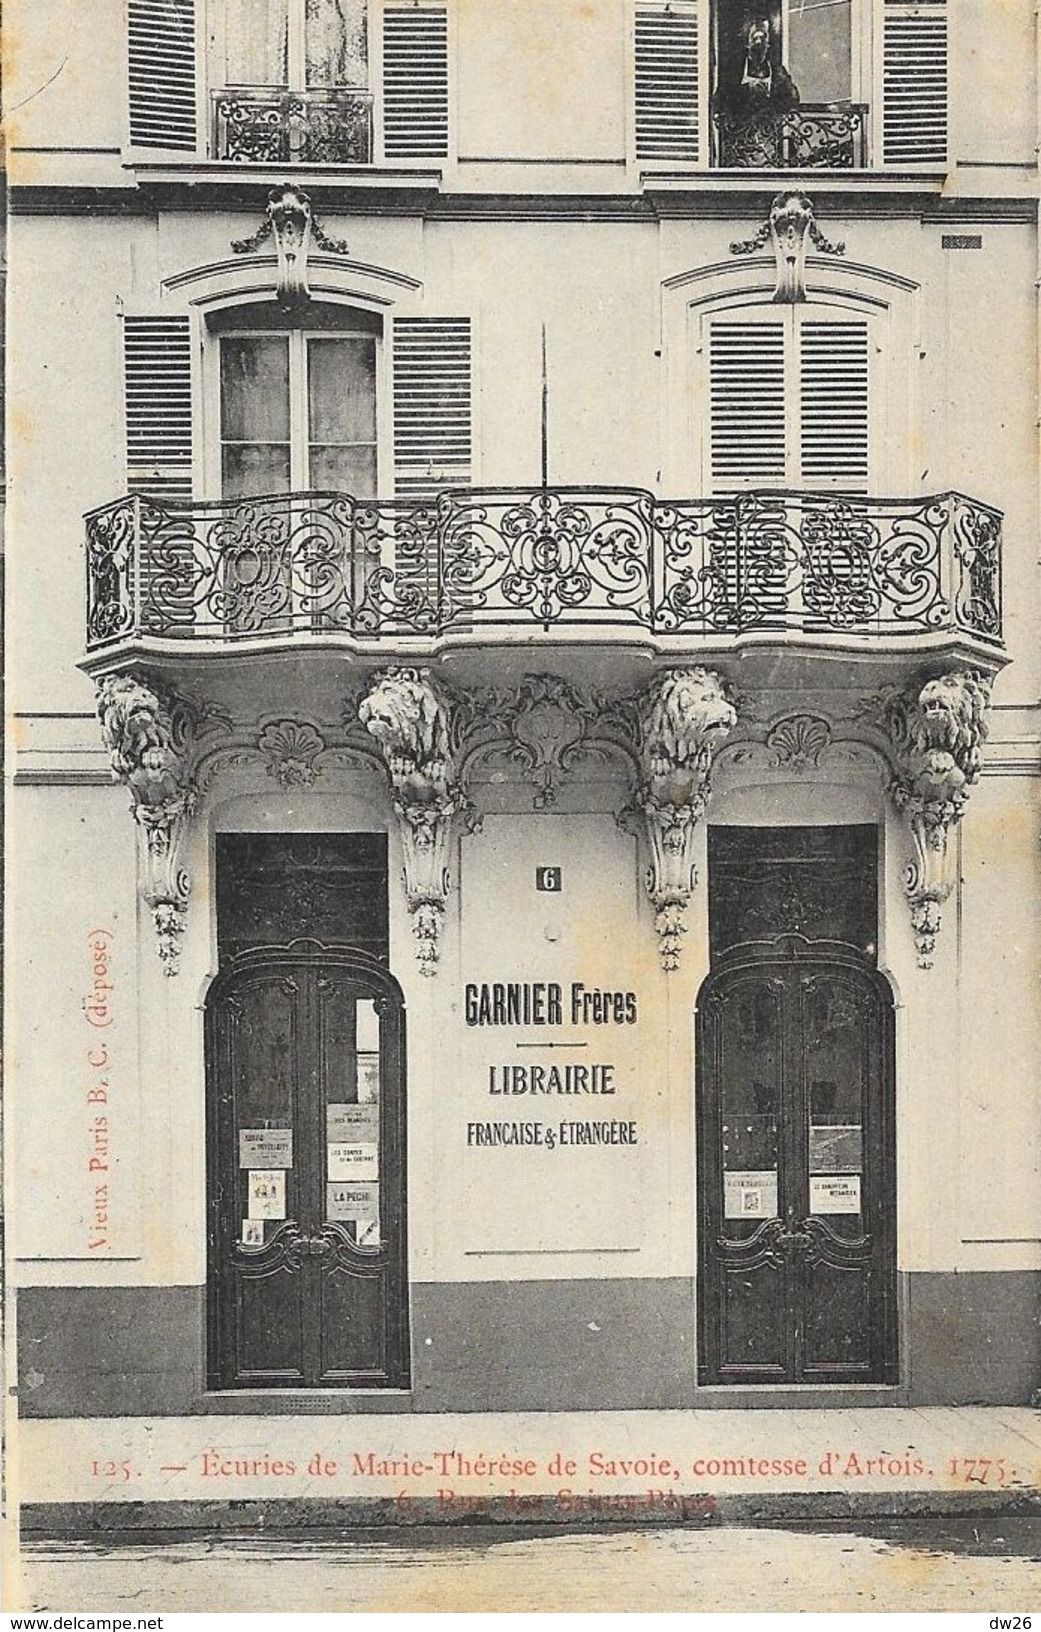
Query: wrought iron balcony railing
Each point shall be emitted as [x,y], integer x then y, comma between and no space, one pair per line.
[803,138]
[578,559]
[258,125]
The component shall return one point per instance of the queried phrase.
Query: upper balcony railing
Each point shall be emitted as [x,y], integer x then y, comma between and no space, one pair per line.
[274,126]
[306,565]
[802,138]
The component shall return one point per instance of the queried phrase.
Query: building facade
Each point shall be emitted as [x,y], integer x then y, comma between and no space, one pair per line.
[525,681]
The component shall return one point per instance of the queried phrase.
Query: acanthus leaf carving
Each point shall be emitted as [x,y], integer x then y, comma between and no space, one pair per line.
[410,719]
[684,717]
[149,734]
[936,732]
[545,726]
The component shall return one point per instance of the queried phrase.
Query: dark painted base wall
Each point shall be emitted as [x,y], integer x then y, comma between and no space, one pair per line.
[516,1346]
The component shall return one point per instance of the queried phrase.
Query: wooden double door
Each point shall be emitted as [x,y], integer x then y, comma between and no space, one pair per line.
[307,1273]
[795,1167]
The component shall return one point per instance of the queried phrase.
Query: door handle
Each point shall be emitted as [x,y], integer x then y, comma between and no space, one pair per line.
[316,1245]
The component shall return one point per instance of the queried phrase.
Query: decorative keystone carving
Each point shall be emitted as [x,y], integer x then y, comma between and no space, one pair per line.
[937,733]
[684,716]
[290,220]
[790,223]
[410,721]
[149,736]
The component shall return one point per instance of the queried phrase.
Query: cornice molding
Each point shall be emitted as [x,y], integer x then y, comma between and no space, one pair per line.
[693,198]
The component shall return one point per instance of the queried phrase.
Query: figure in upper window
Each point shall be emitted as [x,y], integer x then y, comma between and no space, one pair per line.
[783,83]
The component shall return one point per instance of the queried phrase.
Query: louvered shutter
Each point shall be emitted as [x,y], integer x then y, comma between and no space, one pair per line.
[748,448]
[158,395]
[432,404]
[666,77]
[161,58]
[833,403]
[747,428]
[415,82]
[914,83]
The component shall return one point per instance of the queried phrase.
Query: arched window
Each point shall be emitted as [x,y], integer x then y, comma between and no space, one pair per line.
[297,402]
[788,394]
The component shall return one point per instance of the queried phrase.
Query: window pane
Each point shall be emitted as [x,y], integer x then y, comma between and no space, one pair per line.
[835,1050]
[256,42]
[818,49]
[352,1193]
[255,388]
[342,390]
[750,1103]
[337,52]
[250,470]
[344,470]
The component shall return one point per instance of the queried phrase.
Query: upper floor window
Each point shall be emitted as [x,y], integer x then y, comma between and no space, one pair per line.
[784,85]
[297,44]
[791,84]
[283,81]
[293,81]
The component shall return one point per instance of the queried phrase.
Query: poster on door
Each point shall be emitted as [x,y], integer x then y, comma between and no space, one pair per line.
[750,1194]
[835,1193]
[265,1147]
[352,1124]
[352,1132]
[267,1193]
[357,1204]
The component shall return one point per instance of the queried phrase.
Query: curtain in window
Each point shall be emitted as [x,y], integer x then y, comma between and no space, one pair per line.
[342,415]
[257,42]
[255,415]
[336,43]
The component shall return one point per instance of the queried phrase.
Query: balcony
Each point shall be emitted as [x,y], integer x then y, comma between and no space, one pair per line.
[275,126]
[542,566]
[803,138]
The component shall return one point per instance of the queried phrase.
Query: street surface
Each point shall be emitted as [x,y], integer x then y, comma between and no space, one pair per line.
[990,1566]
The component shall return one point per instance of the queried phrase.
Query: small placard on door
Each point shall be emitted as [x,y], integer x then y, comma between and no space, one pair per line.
[265,1147]
[354,1162]
[357,1204]
[750,1195]
[346,1124]
[835,1193]
[267,1193]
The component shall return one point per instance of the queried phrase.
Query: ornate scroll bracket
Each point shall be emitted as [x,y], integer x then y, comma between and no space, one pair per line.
[290,220]
[937,733]
[684,717]
[410,720]
[788,226]
[149,734]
